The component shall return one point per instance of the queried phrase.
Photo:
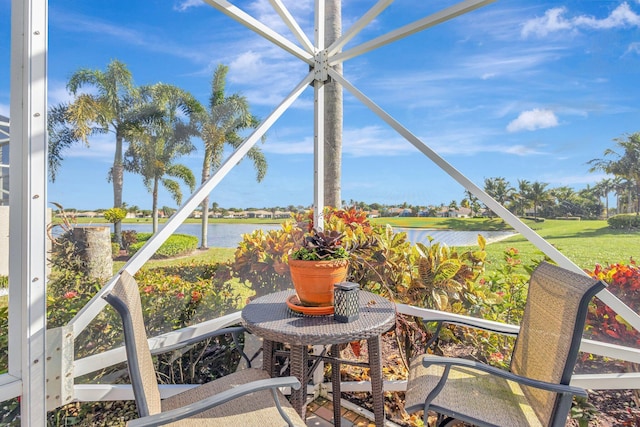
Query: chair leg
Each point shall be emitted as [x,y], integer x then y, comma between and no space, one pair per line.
[335,385]
[447,421]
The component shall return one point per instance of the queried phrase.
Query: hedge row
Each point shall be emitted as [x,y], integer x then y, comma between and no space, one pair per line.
[175,245]
[624,221]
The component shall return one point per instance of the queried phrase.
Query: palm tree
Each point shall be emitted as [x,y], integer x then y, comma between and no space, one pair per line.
[603,188]
[625,164]
[472,202]
[520,197]
[499,188]
[153,150]
[623,189]
[566,201]
[109,106]
[221,124]
[538,196]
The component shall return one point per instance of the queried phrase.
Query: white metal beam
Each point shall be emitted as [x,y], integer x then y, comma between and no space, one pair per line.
[253,24]
[424,23]
[627,314]
[282,10]
[318,119]
[358,26]
[27,218]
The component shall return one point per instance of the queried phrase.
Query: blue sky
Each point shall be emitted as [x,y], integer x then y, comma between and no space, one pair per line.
[517,89]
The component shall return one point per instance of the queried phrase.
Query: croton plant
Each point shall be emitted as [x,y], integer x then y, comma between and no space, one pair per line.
[604,324]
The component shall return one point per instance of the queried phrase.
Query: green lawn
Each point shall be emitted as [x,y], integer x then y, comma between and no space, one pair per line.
[584,242]
[462,224]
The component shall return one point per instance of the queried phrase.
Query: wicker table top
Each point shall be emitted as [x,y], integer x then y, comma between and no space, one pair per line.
[270,318]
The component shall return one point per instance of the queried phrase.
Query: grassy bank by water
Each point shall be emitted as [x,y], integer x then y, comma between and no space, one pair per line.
[584,242]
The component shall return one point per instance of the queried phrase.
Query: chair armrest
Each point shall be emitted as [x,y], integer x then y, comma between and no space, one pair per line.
[543,385]
[212,401]
[486,325]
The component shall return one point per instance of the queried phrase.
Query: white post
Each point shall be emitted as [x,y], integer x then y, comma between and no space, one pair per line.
[318,123]
[28,198]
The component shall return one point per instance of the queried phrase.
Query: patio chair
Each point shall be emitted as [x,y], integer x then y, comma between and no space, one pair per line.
[535,391]
[245,398]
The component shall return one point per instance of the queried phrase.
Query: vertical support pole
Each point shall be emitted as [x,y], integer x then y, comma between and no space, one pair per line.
[318,124]
[28,198]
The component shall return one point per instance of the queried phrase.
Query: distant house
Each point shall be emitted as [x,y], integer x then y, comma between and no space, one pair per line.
[394,211]
[258,214]
[282,214]
[446,212]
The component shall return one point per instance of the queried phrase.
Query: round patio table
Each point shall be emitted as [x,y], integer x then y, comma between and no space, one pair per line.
[269,318]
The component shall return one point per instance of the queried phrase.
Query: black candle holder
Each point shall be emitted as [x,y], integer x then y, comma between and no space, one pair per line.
[346,304]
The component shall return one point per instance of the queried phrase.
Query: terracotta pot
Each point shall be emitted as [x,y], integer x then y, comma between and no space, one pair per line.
[314,280]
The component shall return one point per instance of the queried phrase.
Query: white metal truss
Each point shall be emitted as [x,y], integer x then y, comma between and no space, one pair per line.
[27,218]
[4,162]
[26,375]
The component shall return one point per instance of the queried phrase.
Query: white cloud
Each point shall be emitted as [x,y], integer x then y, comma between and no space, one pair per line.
[532,120]
[621,17]
[554,20]
[634,47]
[4,110]
[101,147]
[356,142]
[551,21]
[57,93]
[187,4]
[378,141]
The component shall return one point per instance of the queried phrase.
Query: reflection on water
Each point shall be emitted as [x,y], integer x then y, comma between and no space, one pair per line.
[229,235]
[452,237]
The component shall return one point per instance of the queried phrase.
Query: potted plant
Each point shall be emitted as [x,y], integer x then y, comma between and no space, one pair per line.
[315,267]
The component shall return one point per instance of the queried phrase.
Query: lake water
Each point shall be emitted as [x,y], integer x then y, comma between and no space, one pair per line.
[219,235]
[229,235]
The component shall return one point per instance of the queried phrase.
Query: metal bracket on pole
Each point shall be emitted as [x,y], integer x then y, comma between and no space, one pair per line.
[321,66]
[59,367]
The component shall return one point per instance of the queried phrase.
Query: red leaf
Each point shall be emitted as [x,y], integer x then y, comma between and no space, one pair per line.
[612,333]
[355,347]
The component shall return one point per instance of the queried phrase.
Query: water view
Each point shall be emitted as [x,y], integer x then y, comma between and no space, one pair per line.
[228,235]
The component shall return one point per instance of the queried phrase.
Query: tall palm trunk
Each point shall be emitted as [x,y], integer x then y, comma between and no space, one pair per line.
[117,177]
[333,112]
[204,232]
[154,207]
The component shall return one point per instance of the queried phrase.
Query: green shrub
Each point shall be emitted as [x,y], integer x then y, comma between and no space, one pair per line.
[4,281]
[115,215]
[115,250]
[261,259]
[624,221]
[175,245]
[172,297]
